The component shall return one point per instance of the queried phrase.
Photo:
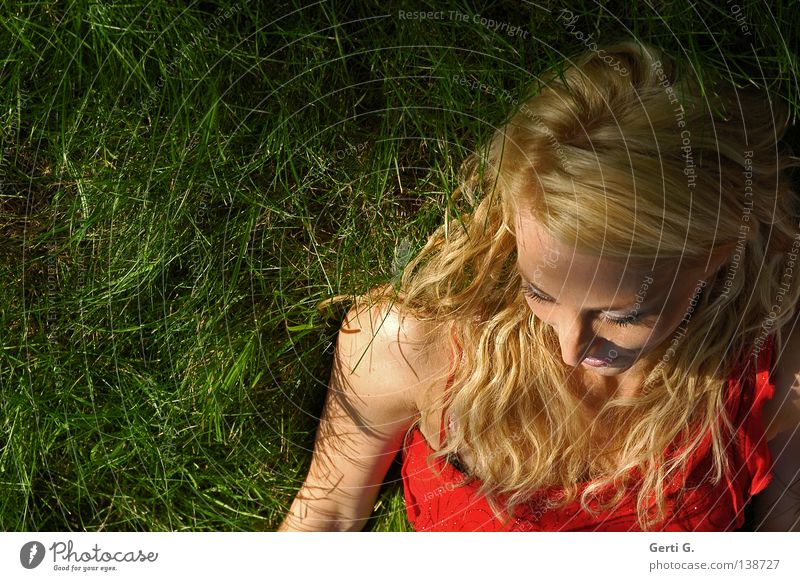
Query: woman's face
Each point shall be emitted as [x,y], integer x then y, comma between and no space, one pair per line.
[602,311]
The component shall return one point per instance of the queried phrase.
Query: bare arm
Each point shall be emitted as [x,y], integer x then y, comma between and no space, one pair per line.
[368,409]
[777,507]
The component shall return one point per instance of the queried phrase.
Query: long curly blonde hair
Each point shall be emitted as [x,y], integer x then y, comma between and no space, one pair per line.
[647,164]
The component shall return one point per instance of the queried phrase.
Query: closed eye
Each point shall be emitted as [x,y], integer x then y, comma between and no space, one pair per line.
[624,322]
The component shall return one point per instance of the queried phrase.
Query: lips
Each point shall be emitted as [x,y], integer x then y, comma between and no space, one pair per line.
[608,361]
[594,362]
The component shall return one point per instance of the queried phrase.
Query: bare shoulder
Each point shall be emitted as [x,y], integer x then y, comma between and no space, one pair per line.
[381,361]
[408,354]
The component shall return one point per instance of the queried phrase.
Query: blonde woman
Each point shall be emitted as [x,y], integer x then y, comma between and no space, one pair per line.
[606,340]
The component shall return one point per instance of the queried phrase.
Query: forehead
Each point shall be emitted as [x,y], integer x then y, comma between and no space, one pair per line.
[553,265]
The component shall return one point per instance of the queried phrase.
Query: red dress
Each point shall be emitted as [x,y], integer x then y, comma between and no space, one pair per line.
[433,504]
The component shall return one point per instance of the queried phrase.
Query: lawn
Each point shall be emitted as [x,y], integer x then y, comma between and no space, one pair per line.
[182,184]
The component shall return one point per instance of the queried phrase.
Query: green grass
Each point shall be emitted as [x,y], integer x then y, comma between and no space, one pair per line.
[176,200]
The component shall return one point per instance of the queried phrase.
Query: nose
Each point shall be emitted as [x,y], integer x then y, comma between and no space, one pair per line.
[575,336]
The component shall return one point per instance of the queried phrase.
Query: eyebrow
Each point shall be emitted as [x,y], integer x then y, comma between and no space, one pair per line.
[629,311]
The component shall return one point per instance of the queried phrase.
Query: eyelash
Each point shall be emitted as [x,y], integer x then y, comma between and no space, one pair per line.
[628,322]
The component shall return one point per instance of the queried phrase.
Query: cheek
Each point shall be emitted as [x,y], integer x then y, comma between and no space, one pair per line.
[645,340]
[661,331]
